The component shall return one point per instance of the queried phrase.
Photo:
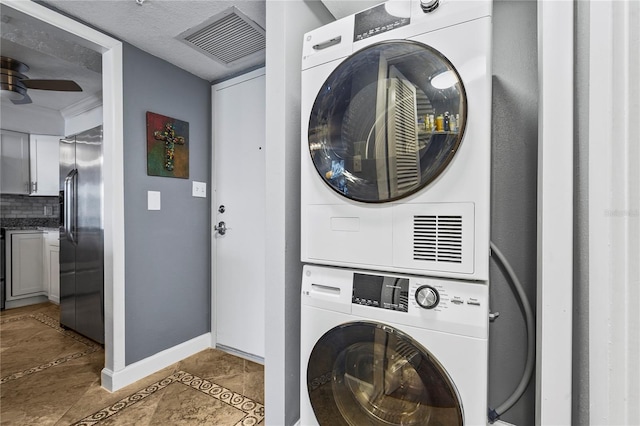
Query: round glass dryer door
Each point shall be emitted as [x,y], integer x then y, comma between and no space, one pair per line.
[365,373]
[387,121]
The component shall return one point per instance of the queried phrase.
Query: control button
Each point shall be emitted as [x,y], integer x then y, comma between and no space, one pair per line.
[429,5]
[473,302]
[427,297]
[457,301]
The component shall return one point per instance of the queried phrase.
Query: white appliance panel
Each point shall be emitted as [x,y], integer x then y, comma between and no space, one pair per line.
[466,181]
[337,231]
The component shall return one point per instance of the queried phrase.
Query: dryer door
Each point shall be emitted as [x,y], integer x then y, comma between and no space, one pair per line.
[387,121]
[366,373]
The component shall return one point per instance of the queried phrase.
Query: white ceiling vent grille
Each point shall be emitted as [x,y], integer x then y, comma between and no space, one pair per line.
[229,37]
[437,238]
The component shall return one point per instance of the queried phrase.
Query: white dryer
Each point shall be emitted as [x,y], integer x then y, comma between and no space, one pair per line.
[396,127]
[391,349]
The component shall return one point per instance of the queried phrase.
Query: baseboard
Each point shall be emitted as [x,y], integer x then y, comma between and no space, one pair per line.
[18,303]
[241,354]
[114,380]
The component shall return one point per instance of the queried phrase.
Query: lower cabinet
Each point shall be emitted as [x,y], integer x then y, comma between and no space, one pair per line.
[26,265]
[32,267]
[52,265]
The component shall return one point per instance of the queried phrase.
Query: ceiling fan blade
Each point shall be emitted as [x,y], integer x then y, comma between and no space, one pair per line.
[25,100]
[57,85]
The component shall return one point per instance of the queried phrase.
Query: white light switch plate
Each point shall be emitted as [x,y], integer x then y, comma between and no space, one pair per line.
[199,189]
[153,200]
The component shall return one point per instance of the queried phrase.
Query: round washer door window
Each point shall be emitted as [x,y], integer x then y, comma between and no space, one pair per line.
[387,121]
[366,373]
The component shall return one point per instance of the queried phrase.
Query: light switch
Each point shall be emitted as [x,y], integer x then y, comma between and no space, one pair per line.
[153,200]
[199,189]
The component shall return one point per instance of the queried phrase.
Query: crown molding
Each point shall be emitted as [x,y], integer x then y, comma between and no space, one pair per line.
[82,106]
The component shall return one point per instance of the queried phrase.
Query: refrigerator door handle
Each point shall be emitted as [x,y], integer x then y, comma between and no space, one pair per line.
[70,207]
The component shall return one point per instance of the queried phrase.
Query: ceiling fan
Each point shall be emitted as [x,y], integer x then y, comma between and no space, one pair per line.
[14,84]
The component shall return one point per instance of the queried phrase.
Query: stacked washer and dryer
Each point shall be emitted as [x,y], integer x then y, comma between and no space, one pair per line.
[396,123]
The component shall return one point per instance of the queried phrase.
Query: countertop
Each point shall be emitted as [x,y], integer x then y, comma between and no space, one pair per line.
[26,224]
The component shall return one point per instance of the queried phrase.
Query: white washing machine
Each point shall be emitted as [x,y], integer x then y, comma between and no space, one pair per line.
[396,127]
[392,349]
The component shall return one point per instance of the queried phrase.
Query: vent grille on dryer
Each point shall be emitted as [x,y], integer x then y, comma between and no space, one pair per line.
[437,238]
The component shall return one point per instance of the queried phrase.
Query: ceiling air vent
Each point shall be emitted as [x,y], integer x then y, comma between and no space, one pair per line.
[437,238]
[229,37]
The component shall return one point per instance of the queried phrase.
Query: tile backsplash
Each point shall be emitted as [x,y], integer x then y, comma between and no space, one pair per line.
[14,207]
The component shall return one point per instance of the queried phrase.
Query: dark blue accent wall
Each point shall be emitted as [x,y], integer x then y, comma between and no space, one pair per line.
[167,272]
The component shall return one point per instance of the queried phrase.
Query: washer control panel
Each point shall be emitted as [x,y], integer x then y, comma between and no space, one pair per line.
[381,291]
[452,306]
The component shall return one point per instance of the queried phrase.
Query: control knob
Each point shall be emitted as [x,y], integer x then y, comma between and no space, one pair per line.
[427,297]
[429,5]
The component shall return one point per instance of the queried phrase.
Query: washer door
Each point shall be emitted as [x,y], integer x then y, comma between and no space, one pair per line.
[366,373]
[387,121]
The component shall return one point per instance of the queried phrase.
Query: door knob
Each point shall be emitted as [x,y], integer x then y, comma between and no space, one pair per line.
[220,228]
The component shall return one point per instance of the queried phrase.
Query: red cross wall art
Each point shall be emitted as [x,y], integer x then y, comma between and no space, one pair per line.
[167,146]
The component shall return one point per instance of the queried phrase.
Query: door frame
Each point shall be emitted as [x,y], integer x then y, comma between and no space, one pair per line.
[214,195]
[113,175]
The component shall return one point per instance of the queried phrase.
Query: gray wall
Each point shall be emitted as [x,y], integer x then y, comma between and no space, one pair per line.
[513,204]
[287,21]
[168,251]
[580,390]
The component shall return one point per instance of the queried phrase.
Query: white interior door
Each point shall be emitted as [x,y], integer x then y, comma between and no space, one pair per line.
[239,203]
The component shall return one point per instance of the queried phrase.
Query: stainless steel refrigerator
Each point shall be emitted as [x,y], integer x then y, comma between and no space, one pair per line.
[81,234]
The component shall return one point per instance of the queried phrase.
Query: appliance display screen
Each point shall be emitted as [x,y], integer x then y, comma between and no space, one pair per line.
[375,21]
[381,292]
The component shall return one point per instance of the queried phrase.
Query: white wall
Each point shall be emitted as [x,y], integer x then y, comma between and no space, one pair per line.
[613,227]
[287,22]
[31,119]
[555,213]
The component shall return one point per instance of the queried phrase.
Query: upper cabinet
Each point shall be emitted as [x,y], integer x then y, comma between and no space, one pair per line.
[29,164]
[45,167]
[14,163]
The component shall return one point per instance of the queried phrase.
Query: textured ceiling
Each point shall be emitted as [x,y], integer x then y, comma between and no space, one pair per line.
[152,27]
[50,54]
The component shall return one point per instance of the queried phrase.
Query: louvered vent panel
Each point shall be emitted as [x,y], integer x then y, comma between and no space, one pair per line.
[437,238]
[405,137]
[229,38]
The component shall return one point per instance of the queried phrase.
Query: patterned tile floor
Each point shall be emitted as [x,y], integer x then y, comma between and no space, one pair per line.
[51,376]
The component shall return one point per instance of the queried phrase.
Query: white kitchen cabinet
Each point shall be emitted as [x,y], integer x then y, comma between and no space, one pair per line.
[25,268]
[52,265]
[44,164]
[14,162]
[29,164]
